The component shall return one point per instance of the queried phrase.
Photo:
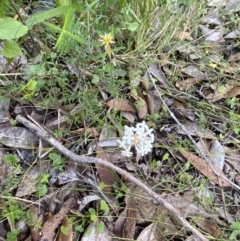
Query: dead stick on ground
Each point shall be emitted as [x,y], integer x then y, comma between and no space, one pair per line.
[87,159]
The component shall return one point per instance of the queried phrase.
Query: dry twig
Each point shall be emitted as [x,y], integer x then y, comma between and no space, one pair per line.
[86,159]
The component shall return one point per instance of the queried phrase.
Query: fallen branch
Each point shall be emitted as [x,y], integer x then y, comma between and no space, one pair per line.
[87,159]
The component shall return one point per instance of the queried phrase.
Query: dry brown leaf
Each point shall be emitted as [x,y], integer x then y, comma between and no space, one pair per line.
[120,105]
[184,35]
[234,92]
[233,34]
[209,227]
[194,130]
[156,71]
[193,72]
[233,69]
[129,116]
[69,236]
[186,84]
[213,97]
[204,168]
[212,18]
[165,225]
[234,57]
[130,222]
[148,234]
[212,35]
[89,131]
[106,175]
[38,217]
[153,103]
[92,233]
[30,180]
[143,108]
[180,106]
[53,222]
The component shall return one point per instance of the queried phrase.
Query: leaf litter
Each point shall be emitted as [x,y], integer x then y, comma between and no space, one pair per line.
[173,169]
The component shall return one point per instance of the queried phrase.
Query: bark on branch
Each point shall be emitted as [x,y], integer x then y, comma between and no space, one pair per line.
[87,159]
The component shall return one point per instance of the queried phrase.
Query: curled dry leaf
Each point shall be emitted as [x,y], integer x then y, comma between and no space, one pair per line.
[120,105]
[226,92]
[194,130]
[184,35]
[217,154]
[92,233]
[209,227]
[193,72]
[38,217]
[18,137]
[205,169]
[234,57]
[233,5]
[217,3]
[192,51]
[187,83]
[30,180]
[53,222]
[232,35]
[212,35]
[142,108]
[148,234]
[153,103]
[5,169]
[89,131]
[106,175]
[155,70]
[212,18]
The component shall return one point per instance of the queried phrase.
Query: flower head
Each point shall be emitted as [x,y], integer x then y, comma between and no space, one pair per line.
[140,137]
[106,40]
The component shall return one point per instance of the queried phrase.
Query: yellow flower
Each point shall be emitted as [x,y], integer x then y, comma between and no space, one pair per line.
[106,40]
[212,65]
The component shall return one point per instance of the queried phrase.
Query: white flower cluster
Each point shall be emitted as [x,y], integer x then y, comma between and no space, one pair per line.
[140,137]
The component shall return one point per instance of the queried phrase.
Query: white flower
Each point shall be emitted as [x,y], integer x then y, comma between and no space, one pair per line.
[140,137]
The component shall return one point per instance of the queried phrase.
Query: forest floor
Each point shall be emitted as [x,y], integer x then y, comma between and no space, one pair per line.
[120,120]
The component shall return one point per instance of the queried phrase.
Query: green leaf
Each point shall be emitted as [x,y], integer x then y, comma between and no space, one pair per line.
[221,89]
[95,79]
[101,227]
[10,159]
[40,17]
[31,85]
[64,230]
[165,156]
[12,235]
[92,214]
[79,228]
[58,162]
[35,70]
[235,226]
[11,28]
[44,178]
[103,206]
[11,49]
[42,190]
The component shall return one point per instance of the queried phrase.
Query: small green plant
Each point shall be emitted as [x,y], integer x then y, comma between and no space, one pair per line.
[58,161]
[10,31]
[12,235]
[236,231]
[13,210]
